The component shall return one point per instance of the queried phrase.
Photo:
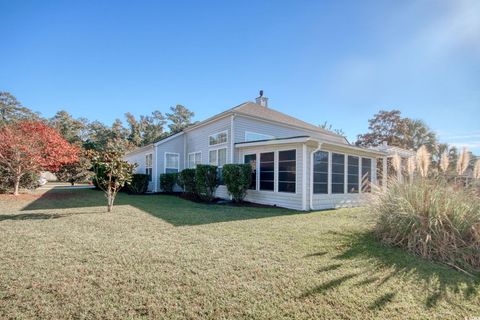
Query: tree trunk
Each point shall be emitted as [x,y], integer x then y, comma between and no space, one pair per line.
[110,199]
[16,186]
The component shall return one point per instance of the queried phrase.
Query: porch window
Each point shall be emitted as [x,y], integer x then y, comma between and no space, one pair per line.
[148,166]
[251,159]
[320,172]
[194,158]
[172,162]
[366,174]
[287,168]
[338,173]
[353,174]
[218,138]
[267,171]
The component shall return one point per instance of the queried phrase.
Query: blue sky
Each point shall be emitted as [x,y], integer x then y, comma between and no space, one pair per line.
[335,61]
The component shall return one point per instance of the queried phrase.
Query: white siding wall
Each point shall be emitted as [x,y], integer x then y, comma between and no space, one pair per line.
[175,145]
[281,199]
[138,157]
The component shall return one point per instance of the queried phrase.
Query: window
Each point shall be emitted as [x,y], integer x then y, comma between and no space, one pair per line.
[338,173]
[148,166]
[287,169]
[253,136]
[194,158]
[218,138]
[267,171]
[171,162]
[320,172]
[251,159]
[218,158]
[366,174]
[352,174]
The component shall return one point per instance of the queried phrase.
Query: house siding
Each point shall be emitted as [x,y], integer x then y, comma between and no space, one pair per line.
[138,157]
[281,199]
[175,145]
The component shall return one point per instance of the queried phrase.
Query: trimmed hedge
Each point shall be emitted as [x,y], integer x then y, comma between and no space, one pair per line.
[168,181]
[206,181]
[139,183]
[237,178]
[187,181]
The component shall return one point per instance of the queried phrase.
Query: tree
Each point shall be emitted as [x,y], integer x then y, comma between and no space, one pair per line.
[152,127]
[11,110]
[386,126]
[73,130]
[397,131]
[75,172]
[29,147]
[180,118]
[135,136]
[329,127]
[111,171]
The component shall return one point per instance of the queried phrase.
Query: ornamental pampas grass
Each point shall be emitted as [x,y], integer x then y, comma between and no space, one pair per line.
[476,170]
[444,162]
[423,161]
[397,164]
[411,166]
[463,160]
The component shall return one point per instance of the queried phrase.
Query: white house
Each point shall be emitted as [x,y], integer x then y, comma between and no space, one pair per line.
[296,165]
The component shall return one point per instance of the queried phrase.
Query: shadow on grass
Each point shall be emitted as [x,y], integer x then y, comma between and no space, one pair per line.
[171,209]
[437,279]
[38,216]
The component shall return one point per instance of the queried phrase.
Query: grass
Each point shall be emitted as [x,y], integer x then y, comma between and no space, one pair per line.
[62,256]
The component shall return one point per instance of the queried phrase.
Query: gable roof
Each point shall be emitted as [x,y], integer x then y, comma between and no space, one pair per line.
[255,110]
[258,111]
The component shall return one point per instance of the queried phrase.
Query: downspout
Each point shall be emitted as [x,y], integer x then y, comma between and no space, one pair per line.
[304,175]
[156,179]
[232,139]
[311,173]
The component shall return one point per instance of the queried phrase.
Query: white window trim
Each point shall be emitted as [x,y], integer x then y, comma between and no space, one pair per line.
[216,149]
[275,170]
[329,169]
[247,132]
[165,161]
[218,144]
[257,168]
[194,153]
[146,164]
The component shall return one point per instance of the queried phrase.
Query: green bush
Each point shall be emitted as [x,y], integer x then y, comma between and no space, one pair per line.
[237,178]
[168,181]
[139,183]
[431,218]
[206,181]
[27,181]
[186,180]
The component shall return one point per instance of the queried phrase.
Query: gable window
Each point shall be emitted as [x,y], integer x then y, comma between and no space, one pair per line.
[172,162]
[148,166]
[253,136]
[320,172]
[287,169]
[267,171]
[338,173]
[251,159]
[352,174]
[218,138]
[366,174]
[194,158]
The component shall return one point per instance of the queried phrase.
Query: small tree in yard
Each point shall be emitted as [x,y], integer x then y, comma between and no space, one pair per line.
[30,147]
[237,178]
[111,172]
[206,181]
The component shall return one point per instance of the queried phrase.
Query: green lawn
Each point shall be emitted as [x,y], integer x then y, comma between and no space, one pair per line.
[62,256]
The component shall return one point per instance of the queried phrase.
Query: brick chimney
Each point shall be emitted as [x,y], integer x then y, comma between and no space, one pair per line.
[261,100]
